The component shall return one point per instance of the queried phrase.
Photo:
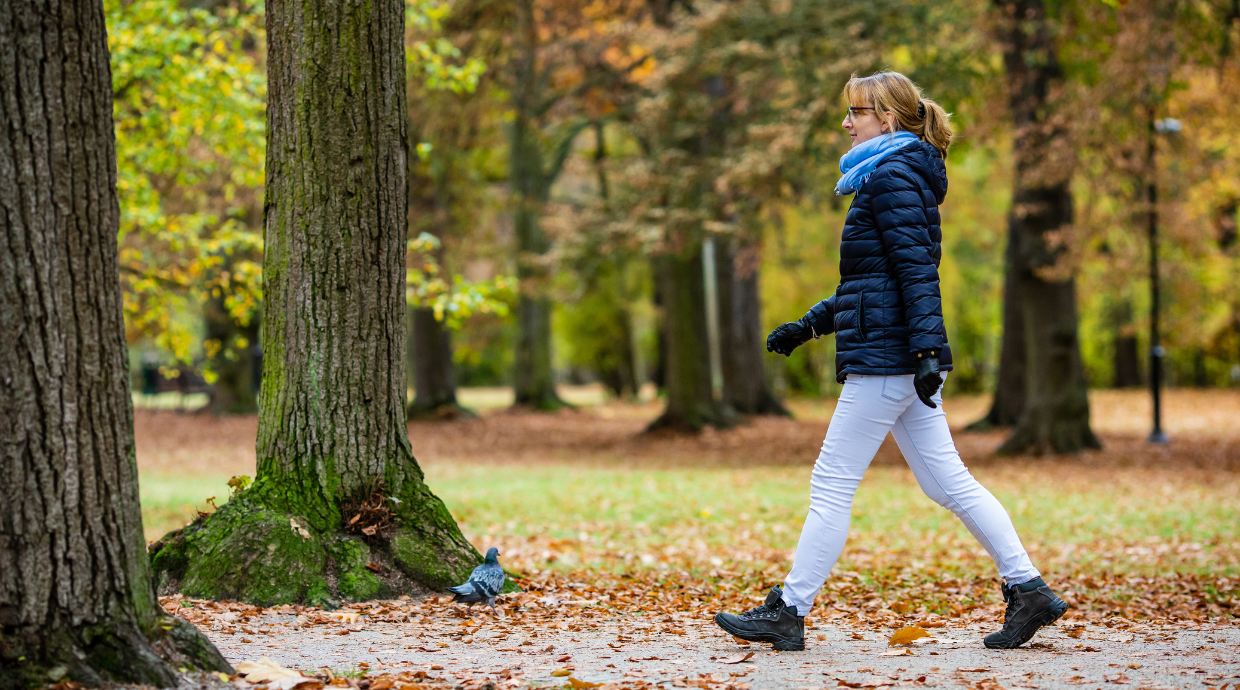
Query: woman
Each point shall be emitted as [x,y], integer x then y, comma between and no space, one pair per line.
[891,354]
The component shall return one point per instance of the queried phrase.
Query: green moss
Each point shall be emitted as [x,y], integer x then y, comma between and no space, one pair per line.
[356,581]
[424,563]
[250,553]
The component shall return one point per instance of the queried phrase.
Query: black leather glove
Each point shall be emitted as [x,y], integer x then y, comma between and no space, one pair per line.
[927,379]
[786,338]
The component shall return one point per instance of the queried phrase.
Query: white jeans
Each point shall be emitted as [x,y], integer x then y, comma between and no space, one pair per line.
[868,408]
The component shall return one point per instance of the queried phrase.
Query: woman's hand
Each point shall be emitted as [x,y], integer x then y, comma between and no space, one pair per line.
[786,338]
[927,380]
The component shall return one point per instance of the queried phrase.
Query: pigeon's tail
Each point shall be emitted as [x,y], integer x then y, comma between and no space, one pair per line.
[462,590]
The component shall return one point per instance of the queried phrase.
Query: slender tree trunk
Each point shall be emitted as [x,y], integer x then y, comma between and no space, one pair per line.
[533,378]
[690,404]
[745,386]
[1056,413]
[235,363]
[1009,401]
[1126,360]
[339,509]
[76,599]
[430,360]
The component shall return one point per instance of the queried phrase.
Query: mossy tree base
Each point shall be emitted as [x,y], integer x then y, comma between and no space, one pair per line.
[247,551]
[119,651]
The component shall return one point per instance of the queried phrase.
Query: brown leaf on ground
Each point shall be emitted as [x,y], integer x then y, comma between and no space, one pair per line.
[739,658]
[907,635]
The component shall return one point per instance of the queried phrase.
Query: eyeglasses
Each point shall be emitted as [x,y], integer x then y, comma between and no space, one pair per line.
[857,110]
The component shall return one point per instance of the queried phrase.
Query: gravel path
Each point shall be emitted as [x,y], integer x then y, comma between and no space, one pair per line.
[688,650]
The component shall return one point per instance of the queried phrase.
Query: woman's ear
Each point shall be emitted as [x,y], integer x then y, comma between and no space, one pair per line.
[887,127]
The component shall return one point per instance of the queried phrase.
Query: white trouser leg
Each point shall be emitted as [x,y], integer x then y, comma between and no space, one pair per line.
[926,442]
[868,408]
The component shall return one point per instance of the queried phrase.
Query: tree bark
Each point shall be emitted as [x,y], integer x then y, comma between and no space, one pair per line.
[338,495]
[430,360]
[745,386]
[1056,413]
[690,404]
[76,599]
[533,377]
[1009,402]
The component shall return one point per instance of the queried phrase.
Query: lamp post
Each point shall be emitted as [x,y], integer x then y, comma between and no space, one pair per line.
[1157,351]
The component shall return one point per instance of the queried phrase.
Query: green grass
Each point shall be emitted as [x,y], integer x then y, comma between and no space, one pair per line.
[565,517]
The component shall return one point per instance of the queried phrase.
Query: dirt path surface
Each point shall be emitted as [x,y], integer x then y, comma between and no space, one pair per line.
[548,639]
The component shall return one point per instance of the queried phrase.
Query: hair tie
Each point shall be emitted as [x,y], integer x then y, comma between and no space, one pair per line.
[921,108]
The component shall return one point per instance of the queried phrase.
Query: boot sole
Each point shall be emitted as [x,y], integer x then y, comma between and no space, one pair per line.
[781,643]
[1031,628]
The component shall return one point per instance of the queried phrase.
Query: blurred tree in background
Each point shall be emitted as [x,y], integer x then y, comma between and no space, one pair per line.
[592,148]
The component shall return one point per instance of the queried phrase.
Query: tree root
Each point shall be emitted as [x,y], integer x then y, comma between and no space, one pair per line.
[95,655]
[249,552]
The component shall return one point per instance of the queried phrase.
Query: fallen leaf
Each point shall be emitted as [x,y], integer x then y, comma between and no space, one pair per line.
[582,683]
[346,616]
[736,659]
[374,568]
[265,670]
[898,652]
[739,641]
[972,670]
[384,683]
[564,658]
[822,636]
[906,635]
[857,636]
[561,672]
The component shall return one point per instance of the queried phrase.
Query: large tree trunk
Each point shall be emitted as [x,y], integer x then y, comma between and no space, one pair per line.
[1056,414]
[745,386]
[430,360]
[75,584]
[339,509]
[690,404]
[1009,402]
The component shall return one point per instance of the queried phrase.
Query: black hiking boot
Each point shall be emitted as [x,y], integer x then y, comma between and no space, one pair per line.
[772,622]
[1029,606]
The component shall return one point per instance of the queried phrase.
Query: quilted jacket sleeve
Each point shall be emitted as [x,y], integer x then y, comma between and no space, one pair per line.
[822,316]
[900,215]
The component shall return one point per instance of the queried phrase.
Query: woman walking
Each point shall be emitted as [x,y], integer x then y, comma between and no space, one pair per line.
[891,355]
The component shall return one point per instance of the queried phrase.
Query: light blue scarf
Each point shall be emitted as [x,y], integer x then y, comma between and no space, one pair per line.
[861,159]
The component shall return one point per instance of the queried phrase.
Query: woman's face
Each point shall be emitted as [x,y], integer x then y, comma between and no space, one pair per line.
[863,124]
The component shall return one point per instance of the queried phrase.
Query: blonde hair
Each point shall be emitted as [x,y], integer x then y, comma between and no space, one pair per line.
[892,93]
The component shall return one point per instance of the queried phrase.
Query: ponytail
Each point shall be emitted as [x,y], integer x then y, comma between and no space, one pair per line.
[894,93]
[936,127]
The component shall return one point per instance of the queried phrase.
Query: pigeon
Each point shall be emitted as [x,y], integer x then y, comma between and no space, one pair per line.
[483,584]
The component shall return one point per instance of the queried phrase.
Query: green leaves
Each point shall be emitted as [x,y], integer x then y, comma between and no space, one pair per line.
[457,299]
[189,106]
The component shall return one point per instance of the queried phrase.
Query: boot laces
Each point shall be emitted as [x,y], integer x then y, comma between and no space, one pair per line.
[762,609]
[1009,596]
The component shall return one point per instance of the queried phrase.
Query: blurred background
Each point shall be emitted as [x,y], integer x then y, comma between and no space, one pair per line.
[605,195]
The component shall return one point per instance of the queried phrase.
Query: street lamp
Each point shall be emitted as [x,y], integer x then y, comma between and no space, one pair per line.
[1157,351]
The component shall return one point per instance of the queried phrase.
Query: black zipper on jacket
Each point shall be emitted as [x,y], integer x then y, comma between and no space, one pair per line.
[861,314]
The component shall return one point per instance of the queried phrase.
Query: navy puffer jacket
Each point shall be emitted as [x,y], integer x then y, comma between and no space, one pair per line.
[887,310]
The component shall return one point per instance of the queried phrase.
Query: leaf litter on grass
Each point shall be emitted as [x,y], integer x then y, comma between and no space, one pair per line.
[606,529]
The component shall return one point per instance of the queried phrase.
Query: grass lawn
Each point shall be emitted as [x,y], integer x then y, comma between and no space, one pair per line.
[586,491]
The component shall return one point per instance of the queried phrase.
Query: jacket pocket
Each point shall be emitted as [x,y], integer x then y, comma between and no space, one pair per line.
[861,315]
